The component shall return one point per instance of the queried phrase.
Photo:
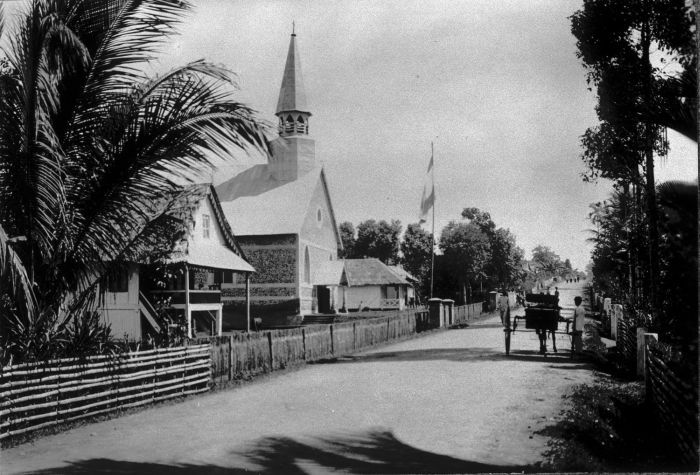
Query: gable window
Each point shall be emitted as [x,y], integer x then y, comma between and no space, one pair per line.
[206,226]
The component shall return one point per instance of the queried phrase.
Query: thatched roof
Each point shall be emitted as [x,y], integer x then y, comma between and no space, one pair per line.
[371,272]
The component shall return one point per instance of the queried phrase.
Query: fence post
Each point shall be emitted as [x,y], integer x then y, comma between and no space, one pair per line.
[640,351]
[303,341]
[269,344]
[649,339]
[332,346]
[354,335]
[230,357]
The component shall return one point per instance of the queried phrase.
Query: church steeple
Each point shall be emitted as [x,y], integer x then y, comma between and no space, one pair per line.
[292,111]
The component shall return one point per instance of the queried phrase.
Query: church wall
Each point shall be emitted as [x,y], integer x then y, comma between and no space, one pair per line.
[274,291]
[319,237]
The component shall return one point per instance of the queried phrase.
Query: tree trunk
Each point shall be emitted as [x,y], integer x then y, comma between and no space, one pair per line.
[652,212]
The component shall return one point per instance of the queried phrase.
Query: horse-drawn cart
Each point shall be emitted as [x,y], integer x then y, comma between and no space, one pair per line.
[542,316]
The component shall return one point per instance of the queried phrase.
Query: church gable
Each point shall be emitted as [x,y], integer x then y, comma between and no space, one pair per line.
[319,226]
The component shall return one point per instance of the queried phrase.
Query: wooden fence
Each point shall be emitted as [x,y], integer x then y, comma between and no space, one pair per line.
[240,356]
[465,313]
[37,395]
[674,399]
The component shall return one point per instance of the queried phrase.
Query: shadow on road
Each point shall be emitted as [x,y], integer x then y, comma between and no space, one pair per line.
[464,355]
[376,451]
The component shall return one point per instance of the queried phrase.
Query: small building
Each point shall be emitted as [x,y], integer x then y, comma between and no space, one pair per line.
[205,258]
[359,284]
[411,297]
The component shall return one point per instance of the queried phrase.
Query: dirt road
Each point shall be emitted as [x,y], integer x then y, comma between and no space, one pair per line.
[447,402]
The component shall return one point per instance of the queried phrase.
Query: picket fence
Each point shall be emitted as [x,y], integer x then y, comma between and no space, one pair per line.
[240,356]
[465,313]
[38,395]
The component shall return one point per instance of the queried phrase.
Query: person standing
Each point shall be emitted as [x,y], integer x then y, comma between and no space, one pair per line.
[577,332]
[504,308]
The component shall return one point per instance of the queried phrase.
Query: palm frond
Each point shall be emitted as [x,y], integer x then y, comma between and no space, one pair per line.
[14,275]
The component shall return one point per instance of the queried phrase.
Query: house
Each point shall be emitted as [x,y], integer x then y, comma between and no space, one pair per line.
[283,218]
[411,299]
[206,257]
[359,284]
[374,285]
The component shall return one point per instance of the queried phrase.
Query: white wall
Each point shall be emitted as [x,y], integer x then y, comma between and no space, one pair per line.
[367,296]
[198,245]
[121,309]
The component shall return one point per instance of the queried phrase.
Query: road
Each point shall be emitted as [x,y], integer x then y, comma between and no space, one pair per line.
[450,401]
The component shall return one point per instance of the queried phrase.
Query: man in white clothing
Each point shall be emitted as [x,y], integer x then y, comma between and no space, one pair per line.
[504,308]
[577,332]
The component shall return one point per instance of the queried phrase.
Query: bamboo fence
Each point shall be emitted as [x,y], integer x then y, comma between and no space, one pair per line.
[675,401]
[627,339]
[38,395]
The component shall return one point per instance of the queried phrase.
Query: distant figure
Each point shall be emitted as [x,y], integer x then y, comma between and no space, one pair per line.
[556,293]
[504,308]
[579,320]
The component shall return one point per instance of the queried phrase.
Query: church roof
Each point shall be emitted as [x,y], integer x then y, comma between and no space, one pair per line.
[292,93]
[255,203]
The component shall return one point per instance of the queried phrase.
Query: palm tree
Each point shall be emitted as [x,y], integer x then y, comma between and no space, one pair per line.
[92,150]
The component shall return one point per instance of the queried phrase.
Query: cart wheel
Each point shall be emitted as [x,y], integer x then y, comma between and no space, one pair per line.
[507,332]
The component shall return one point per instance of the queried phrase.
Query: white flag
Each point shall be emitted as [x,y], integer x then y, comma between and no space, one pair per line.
[428,199]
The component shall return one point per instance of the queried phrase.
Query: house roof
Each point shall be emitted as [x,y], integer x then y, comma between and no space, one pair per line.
[330,273]
[230,256]
[218,258]
[370,272]
[403,273]
[256,203]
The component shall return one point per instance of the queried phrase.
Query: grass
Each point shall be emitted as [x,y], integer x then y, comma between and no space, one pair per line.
[608,428]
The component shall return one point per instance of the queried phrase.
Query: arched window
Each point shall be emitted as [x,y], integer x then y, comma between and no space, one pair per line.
[307,267]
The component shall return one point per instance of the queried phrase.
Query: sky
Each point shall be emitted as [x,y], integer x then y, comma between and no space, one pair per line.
[496,86]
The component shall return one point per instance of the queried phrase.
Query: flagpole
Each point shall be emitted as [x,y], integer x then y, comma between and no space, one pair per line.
[432,244]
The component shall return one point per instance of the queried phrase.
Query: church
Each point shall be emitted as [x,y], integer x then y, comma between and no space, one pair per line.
[283,219]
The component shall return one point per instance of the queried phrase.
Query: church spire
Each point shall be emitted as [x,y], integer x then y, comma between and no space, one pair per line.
[292,110]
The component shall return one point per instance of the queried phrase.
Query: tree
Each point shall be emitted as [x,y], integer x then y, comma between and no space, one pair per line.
[504,265]
[347,237]
[466,249]
[615,39]
[93,151]
[481,218]
[378,239]
[549,263]
[676,319]
[416,251]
